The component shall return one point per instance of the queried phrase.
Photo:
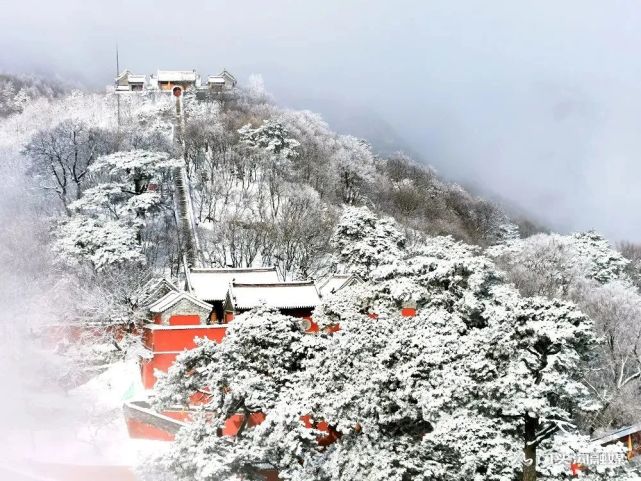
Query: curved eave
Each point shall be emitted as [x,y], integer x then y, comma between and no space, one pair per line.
[244,308]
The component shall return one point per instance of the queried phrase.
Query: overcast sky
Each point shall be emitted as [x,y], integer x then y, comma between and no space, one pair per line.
[536,102]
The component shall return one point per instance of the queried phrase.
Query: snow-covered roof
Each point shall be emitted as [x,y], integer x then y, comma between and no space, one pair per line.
[172,298]
[337,282]
[142,412]
[215,79]
[281,295]
[186,327]
[137,79]
[154,289]
[131,77]
[176,75]
[617,434]
[225,73]
[213,284]
[123,74]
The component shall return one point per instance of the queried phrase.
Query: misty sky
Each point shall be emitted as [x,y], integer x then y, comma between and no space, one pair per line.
[535,102]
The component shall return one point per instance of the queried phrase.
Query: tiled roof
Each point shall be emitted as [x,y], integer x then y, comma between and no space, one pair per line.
[213,284]
[337,282]
[133,79]
[225,73]
[617,434]
[154,290]
[282,295]
[176,76]
[164,303]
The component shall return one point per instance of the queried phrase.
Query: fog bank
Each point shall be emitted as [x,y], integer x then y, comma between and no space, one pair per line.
[534,102]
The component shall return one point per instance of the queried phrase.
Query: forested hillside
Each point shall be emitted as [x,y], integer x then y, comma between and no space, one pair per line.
[16,91]
[267,186]
[521,342]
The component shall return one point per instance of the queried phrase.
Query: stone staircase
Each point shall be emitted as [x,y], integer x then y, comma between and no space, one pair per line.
[183,208]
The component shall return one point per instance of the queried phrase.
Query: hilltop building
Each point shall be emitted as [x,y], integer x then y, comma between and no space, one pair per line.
[127,81]
[221,82]
[166,80]
[174,81]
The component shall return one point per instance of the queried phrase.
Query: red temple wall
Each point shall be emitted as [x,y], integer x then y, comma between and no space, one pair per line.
[180,337]
[184,320]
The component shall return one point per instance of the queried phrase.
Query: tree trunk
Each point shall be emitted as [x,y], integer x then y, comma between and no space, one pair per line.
[62,194]
[529,450]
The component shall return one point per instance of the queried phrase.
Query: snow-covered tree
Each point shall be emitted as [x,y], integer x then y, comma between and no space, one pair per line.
[100,242]
[367,384]
[615,376]
[134,169]
[353,164]
[604,264]
[501,374]
[61,157]
[479,380]
[261,353]
[317,144]
[551,264]
[297,244]
[260,357]
[17,91]
[585,269]
[272,137]
[539,355]
[363,241]
[108,220]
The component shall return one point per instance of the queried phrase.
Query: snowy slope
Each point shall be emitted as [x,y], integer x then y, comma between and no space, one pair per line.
[94,433]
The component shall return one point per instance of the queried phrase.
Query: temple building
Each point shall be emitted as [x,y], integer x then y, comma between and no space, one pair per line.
[297,299]
[186,80]
[221,82]
[174,81]
[211,285]
[127,81]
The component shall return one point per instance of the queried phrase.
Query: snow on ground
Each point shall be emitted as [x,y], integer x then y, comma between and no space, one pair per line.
[89,432]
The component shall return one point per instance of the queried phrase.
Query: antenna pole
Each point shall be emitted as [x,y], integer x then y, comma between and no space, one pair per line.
[117,73]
